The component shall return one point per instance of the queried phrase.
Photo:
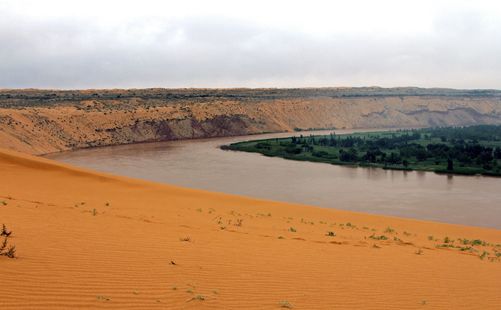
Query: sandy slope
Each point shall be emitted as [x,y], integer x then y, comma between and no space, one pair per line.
[240,254]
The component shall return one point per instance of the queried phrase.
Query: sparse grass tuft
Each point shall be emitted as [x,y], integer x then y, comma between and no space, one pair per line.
[185,239]
[5,232]
[484,255]
[330,234]
[5,249]
[292,229]
[103,298]
[381,237]
[473,242]
[11,252]
[197,297]
[285,304]
[389,230]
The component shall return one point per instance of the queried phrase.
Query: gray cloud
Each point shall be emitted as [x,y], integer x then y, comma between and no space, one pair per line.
[462,51]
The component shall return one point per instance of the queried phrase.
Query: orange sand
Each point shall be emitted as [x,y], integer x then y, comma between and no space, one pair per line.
[240,254]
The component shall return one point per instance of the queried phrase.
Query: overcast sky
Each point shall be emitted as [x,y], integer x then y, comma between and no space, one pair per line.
[103,44]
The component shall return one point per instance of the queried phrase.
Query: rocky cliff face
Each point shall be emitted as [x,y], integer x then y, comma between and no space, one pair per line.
[43,121]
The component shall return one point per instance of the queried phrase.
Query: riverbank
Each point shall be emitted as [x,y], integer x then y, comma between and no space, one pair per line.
[87,239]
[471,150]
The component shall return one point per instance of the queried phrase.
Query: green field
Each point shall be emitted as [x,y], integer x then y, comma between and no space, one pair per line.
[456,150]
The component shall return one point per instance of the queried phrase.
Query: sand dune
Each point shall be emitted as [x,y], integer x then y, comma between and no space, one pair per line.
[90,240]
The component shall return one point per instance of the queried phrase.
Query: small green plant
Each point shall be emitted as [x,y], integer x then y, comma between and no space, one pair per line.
[351,225]
[292,229]
[477,242]
[330,234]
[389,230]
[382,237]
[447,240]
[285,304]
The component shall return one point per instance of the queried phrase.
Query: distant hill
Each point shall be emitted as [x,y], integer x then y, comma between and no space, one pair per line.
[43,121]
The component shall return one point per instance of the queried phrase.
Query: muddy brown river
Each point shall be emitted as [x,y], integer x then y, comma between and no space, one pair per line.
[470,200]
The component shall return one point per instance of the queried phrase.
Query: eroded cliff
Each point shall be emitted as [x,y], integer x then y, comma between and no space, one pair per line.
[45,121]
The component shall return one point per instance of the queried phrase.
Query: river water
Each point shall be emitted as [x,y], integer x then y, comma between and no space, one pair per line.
[470,200]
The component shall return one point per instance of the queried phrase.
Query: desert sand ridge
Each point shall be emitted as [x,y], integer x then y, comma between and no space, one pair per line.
[91,240]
